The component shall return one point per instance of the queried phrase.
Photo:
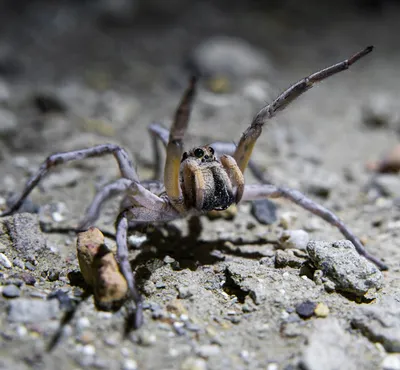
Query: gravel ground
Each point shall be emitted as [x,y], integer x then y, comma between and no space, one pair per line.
[219,294]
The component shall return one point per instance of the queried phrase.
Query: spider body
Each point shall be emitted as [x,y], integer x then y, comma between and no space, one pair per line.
[208,183]
[203,179]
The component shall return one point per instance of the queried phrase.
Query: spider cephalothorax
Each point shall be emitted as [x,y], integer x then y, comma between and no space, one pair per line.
[209,183]
[194,181]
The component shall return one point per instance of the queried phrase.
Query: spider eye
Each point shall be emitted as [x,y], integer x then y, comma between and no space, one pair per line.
[211,149]
[199,152]
[184,156]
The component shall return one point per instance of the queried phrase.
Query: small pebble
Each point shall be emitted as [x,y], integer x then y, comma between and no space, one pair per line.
[264,211]
[129,364]
[146,338]
[321,310]
[11,291]
[185,292]
[208,350]
[306,309]
[4,261]
[287,219]
[168,259]
[18,263]
[193,363]
[391,362]
[294,239]
[136,240]
[88,350]
[29,266]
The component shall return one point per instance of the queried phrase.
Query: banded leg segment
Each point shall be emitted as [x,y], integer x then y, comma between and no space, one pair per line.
[175,147]
[255,192]
[124,163]
[235,175]
[247,141]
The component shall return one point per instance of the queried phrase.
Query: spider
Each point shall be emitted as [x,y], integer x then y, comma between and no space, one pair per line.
[195,181]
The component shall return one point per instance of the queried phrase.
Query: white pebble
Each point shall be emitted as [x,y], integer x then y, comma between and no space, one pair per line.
[88,350]
[391,362]
[294,239]
[57,217]
[4,261]
[272,366]
[82,323]
[129,364]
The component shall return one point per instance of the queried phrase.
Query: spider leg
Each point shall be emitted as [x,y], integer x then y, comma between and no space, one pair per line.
[175,147]
[158,133]
[234,174]
[125,267]
[250,136]
[160,210]
[254,192]
[93,211]
[124,163]
[192,172]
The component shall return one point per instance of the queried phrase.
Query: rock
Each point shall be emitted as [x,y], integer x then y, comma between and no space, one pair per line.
[24,232]
[342,265]
[330,347]
[244,280]
[264,211]
[228,56]
[287,259]
[100,269]
[380,323]
[391,362]
[11,291]
[32,310]
[380,111]
[321,310]
[306,309]
[4,261]
[294,239]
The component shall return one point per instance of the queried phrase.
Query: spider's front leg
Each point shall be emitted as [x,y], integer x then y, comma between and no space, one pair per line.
[255,192]
[249,137]
[124,164]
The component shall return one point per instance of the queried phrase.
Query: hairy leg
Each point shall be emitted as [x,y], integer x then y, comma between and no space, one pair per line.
[175,147]
[124,163]
[247,141]
[158,133]
[234,174]
[254,192]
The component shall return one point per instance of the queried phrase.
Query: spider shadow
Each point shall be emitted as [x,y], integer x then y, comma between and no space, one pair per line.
[187,252]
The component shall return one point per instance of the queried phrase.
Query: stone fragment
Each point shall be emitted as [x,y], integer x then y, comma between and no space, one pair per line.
[342,265]
[297,239]
[100,269]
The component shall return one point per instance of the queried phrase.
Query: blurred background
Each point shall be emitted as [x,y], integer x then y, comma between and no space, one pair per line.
[76,73]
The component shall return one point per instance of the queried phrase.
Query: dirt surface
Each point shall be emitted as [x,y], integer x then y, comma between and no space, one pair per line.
[77,74]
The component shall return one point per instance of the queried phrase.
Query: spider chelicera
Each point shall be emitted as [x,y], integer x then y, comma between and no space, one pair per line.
[196,181]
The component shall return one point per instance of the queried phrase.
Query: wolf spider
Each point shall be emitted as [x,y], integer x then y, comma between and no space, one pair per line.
[195,181]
